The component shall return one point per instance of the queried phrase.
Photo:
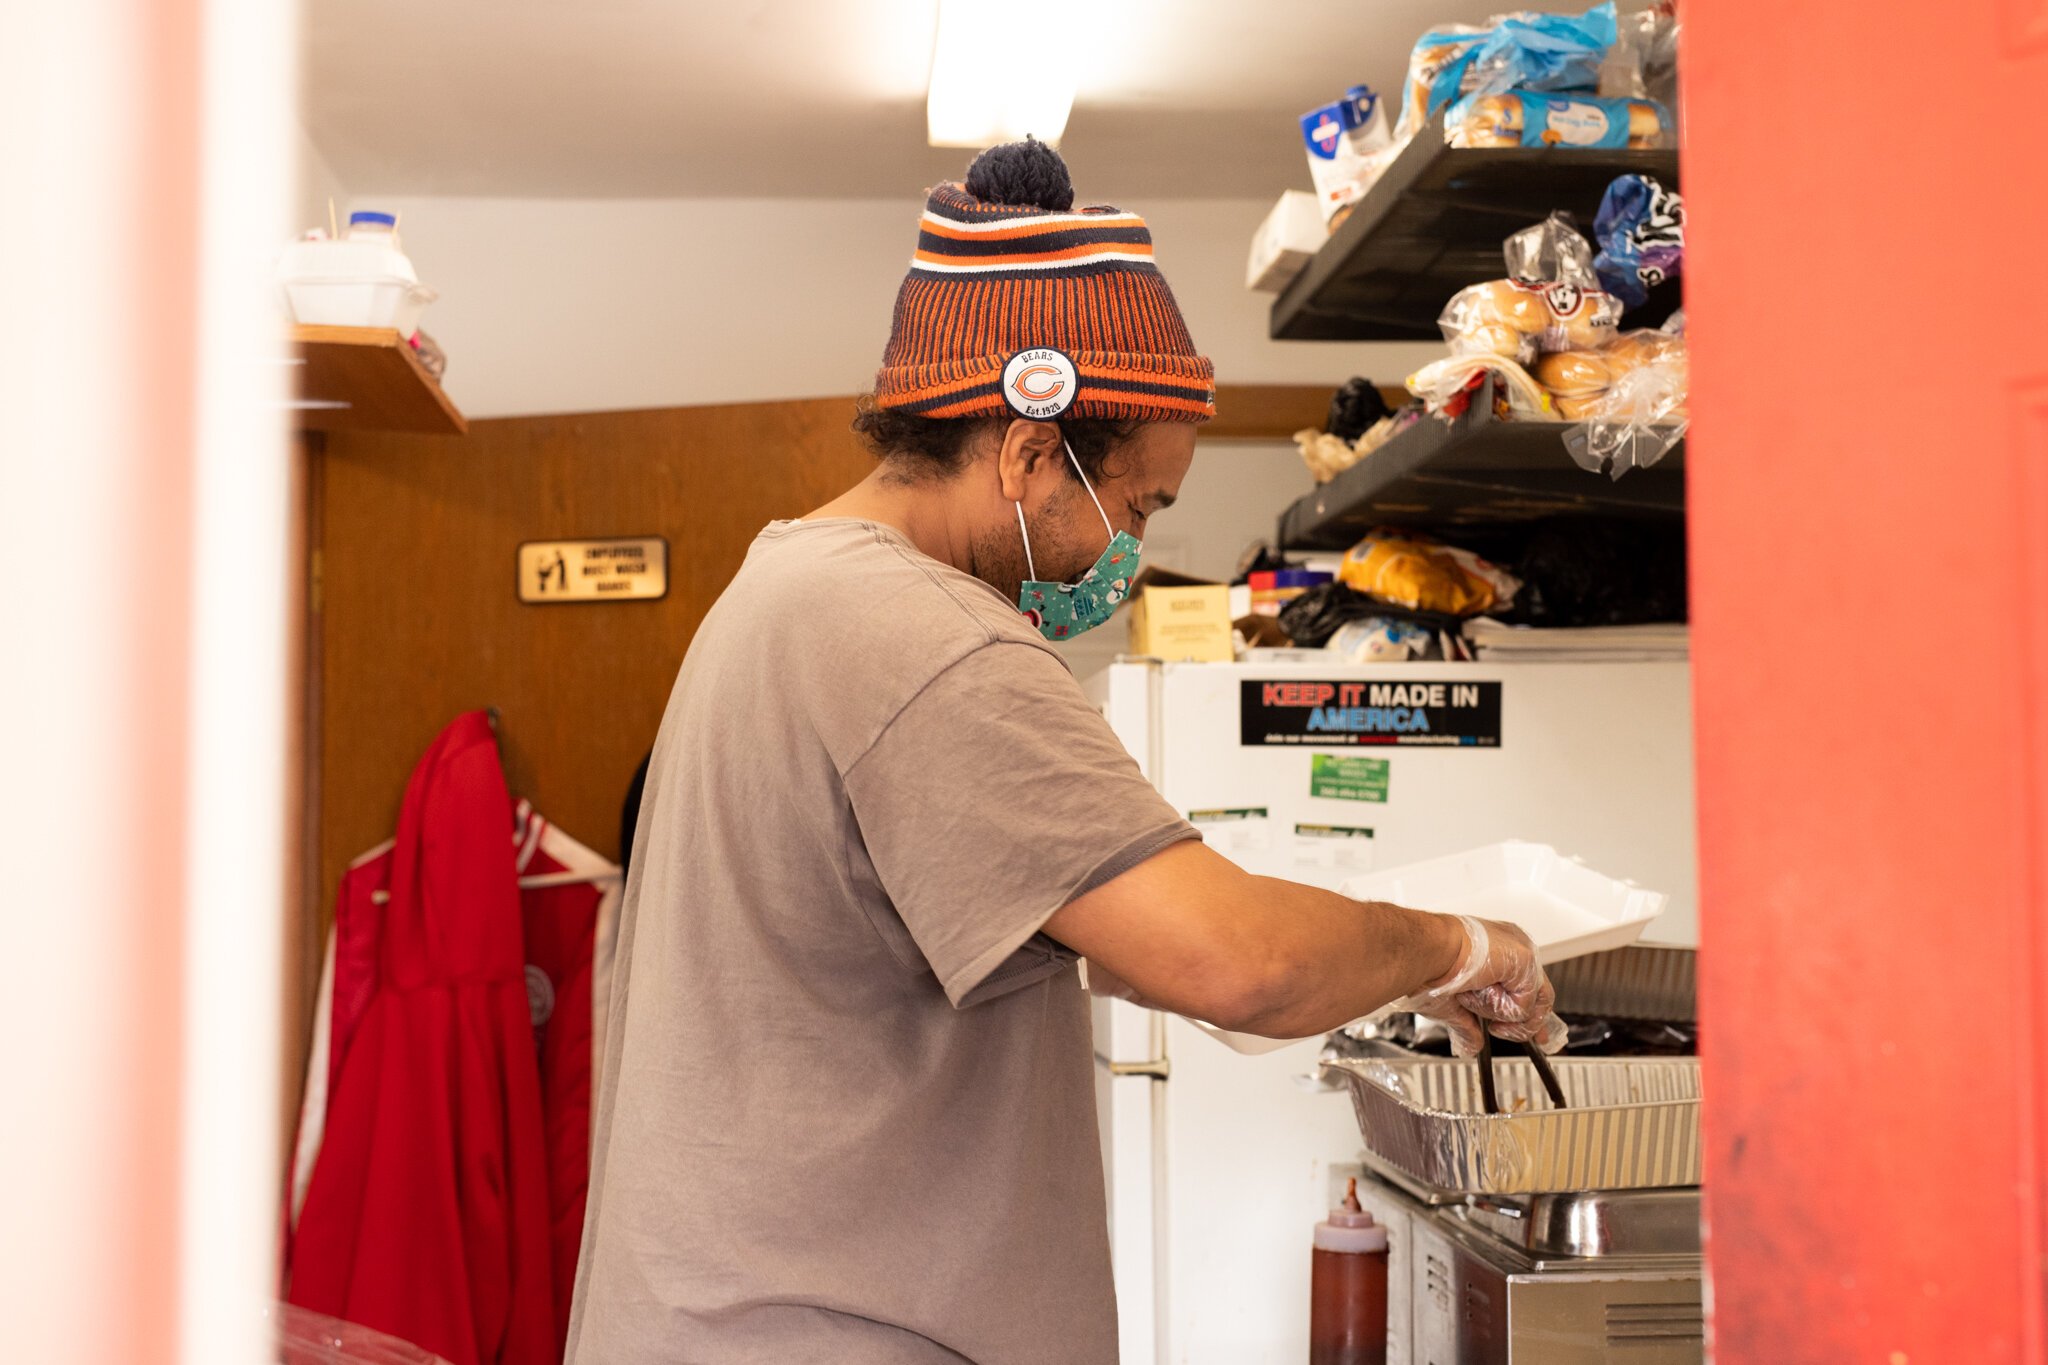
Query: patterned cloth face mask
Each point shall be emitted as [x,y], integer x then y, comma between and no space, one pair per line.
[1063,610]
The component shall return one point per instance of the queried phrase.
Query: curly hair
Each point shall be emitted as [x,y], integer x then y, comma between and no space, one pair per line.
[938,447]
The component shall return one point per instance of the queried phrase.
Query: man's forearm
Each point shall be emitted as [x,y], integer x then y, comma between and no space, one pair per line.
[1192,932]
[1334,959]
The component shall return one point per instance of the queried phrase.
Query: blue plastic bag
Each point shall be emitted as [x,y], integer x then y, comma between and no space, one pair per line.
[1512,52]
[1641,232]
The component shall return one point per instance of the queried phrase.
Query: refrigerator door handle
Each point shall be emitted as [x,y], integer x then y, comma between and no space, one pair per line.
[1158,1068]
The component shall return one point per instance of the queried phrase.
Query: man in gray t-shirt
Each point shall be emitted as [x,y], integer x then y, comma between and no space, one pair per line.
[847,1113]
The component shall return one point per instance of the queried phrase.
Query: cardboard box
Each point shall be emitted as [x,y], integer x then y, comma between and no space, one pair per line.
[1292,234]
[1175,617]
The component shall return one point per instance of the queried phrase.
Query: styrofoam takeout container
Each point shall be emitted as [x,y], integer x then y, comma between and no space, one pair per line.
[1566,908]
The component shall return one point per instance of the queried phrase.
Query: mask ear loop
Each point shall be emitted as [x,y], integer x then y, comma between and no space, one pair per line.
[1029,567]
[1085,484]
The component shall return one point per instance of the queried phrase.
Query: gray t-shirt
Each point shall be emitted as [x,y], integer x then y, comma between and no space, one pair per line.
[848,1109]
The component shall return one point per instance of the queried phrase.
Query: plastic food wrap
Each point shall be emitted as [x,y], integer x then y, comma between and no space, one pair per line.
[1521,51]
[1441,384]
[1379,640]
[1327,454]
[1643,63]
[1580,383]
[1640,416]
[1413,572]
[1641,230]
[1529,118]
[1550,302]
[1553,251]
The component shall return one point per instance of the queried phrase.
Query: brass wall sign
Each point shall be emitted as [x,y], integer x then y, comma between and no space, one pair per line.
[619,570]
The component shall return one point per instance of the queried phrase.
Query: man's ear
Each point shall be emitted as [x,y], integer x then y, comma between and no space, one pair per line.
[1027,448]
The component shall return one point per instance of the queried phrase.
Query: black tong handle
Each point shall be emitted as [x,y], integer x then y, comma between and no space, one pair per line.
[1490,1098]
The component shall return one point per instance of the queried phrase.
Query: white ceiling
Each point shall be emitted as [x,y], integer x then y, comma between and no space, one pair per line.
[816,98]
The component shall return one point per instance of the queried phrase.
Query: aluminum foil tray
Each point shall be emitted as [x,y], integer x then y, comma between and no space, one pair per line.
[1633,1123]
[1641,981]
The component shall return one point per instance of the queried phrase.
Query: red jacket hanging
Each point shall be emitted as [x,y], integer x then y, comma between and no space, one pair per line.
[428,1211]
[569,907]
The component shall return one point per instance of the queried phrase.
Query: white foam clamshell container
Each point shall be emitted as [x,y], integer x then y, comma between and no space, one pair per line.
[1566,908]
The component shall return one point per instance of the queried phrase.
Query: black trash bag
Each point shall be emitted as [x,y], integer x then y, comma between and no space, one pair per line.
[1355,409]
[1312,618]
[1604,573]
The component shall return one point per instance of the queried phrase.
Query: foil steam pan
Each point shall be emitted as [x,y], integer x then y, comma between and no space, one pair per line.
[1642,981]
[1634,1123]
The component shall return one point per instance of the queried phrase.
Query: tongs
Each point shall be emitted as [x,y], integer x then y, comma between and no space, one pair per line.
[1489,1099]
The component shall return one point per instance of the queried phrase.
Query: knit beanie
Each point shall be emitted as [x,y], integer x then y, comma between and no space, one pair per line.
[1018,304]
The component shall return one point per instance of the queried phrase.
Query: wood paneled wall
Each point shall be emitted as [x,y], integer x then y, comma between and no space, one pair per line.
[419,618]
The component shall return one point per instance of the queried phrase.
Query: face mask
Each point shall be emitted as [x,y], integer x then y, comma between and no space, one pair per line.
[1063,610]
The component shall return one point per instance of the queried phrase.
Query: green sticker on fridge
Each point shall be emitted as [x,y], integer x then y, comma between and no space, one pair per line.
[1347,778]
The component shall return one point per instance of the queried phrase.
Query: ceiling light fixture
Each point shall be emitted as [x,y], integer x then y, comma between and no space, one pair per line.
[1001,71]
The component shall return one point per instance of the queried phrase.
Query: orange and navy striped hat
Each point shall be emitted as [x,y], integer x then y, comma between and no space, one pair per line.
[1024,310]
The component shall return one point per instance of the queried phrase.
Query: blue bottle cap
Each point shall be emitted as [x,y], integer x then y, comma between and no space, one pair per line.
[364,216]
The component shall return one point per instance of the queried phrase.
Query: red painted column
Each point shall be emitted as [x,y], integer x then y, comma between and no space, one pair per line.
[1869,502]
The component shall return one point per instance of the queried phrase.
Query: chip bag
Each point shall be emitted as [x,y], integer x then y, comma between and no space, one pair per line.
[1423,575]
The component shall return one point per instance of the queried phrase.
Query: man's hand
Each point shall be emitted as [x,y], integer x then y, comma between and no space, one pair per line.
[1497,985]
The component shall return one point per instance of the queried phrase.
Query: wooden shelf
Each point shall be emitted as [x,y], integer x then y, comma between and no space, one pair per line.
[1434,222]
[1476,471]
[377,378]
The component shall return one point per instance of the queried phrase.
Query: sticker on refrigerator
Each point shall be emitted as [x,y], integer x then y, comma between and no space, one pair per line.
[1343,714]
[1343,777]
[1345,848]
[1235,829]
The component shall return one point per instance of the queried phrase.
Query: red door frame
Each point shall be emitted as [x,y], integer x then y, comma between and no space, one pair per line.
[1869,503]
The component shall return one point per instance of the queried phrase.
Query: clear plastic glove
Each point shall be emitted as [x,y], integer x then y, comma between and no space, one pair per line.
[1497,985]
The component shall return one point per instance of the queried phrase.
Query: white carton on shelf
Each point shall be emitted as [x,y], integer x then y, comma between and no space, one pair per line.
[1566,908]
[1292,233]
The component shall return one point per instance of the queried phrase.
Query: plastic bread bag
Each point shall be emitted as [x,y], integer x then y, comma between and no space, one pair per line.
[1496,318]
[1553,251]
[1379,640]
[1528,51]
[1641,231]
[1511,321]
[1442,384]
[1643,412]
[1436,72]
[308,1338]
[1522,50]
[1424,575]
[1643,63]
[1327,455]
[1527,118]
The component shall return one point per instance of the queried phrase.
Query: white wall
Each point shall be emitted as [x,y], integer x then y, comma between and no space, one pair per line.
[316,185]
[588,305]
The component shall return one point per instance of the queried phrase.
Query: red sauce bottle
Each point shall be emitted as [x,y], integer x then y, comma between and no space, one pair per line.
[1347,1322]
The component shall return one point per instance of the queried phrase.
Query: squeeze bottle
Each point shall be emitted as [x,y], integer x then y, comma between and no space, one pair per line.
[1348,1288]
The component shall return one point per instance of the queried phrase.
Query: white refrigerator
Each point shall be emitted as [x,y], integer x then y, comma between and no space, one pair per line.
[1219,1164]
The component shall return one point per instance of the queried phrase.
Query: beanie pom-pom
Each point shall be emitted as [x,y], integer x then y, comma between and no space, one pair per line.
[1027,174]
